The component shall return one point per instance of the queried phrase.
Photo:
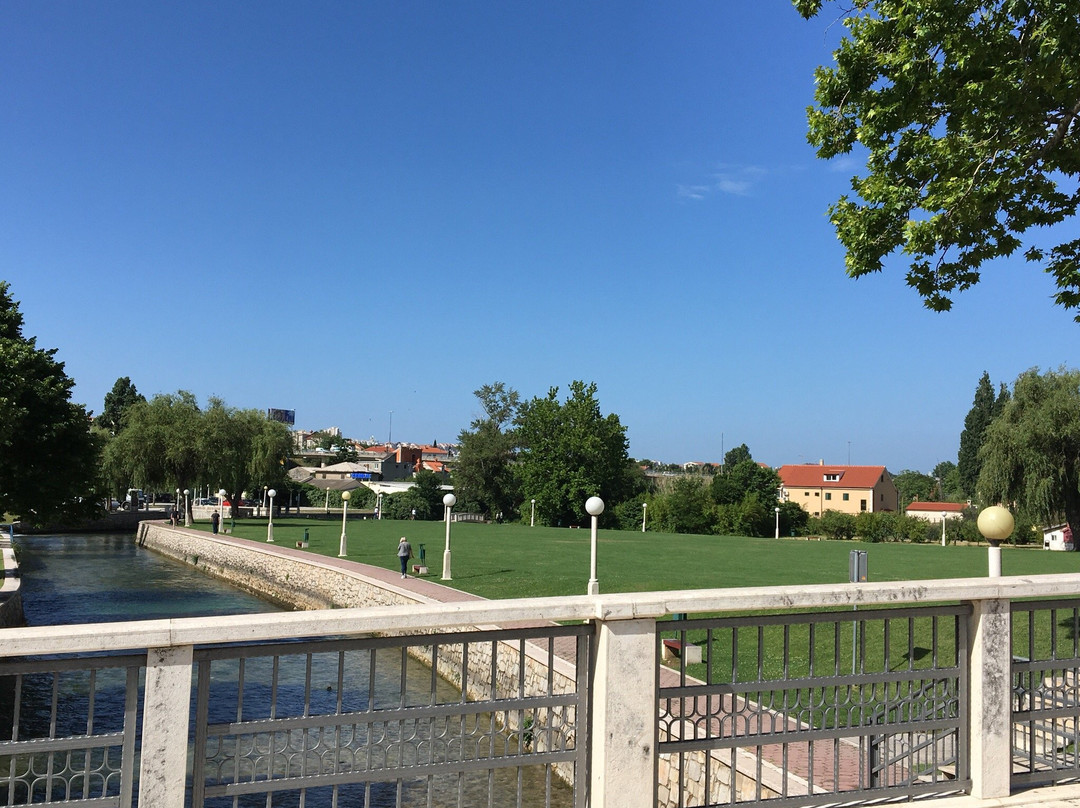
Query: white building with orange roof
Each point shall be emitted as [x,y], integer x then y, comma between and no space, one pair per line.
[936,511]
[848,489]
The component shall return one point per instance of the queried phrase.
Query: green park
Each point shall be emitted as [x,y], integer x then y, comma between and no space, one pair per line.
[514,560]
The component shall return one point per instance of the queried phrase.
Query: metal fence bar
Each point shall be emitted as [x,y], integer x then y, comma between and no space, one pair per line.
[785,721]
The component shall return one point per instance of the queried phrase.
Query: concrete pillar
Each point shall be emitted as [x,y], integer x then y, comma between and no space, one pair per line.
[990,669]
[166,704]
[624,722]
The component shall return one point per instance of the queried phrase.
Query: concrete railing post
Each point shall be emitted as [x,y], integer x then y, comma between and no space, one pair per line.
[990,701]
[624,723]
[166,705]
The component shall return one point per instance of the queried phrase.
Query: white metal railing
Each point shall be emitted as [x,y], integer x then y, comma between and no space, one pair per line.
[624,682]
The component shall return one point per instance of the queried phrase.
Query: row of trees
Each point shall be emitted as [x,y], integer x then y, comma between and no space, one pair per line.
[171,442]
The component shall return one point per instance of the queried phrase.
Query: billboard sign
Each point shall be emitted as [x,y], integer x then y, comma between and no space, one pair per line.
[285,416]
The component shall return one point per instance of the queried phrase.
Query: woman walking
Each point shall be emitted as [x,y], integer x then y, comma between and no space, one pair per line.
[404,553]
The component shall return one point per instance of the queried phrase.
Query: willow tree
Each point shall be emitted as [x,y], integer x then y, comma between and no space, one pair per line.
[969,112]
[1031,454]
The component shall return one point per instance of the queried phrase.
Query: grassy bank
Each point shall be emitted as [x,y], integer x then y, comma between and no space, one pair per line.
[501,561]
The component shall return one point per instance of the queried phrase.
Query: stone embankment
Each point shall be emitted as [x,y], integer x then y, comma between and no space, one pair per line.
[11,610]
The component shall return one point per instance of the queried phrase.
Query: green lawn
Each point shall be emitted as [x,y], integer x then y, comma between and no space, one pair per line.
[502,561]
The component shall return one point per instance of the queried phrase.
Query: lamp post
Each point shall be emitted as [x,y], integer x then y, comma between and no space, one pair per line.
[378,504]
[944,516]
[262,503]
[270,524]
[449,501]
[644,510]
[345,496]
[187,510]
[777,511]
[996,524]
[222,493]
[595,507]
[177,500]
[532,518]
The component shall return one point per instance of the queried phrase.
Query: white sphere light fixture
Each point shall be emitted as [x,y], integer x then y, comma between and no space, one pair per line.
[996,524]
[594,506]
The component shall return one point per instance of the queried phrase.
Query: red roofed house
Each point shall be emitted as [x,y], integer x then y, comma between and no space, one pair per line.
[936,511]
[848,489]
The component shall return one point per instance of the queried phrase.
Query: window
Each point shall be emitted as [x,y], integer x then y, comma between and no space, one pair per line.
[832,478]
[847,497]
[806,493]
[828,496]
[816,494]
[862,504]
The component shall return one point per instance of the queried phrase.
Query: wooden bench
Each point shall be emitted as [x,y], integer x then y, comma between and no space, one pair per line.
[677,649]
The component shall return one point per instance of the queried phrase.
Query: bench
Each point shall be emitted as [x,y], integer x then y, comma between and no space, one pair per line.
[301,545]
[677,649]
[419,569]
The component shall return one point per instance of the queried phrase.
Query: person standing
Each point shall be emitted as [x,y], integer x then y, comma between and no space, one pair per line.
[404,553]
[215,520]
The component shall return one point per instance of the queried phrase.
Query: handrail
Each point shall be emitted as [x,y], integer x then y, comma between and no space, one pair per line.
[425,617]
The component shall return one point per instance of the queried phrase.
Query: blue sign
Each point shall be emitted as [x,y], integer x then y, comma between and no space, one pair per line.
[361,475]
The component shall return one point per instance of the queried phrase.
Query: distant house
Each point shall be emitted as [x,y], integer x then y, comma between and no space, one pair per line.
[936,511]
[848,489]
[1059,537]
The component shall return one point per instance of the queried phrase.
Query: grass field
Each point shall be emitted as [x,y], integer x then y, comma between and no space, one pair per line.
[503,561]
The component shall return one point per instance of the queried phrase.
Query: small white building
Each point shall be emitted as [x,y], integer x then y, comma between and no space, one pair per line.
[1058,537]
[936,511]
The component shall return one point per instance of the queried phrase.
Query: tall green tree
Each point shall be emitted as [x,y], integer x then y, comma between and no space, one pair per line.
[948,477]
[1032,452]
[969,111]
[914,485]
[569,452]
[482,475]
[118,401]
[49,458]
[160,444]
[243,449]
[971,439]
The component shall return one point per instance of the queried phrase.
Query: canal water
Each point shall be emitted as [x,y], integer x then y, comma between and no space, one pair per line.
[106,578]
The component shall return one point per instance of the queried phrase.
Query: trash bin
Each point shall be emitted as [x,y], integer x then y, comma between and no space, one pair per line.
[423,556]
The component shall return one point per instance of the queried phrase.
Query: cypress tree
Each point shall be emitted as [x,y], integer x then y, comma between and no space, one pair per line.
[978,419]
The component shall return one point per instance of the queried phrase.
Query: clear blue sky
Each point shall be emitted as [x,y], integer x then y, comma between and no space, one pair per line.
[352,208]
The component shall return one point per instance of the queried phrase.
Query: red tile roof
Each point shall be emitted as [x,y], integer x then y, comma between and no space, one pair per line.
[813,476]
[937,507]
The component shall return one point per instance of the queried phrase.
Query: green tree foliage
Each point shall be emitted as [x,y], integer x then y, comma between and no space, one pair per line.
[482,475]
[969,111]
[837,526]
[742,479]
[971,439]
[170,442]
[242,449]
[1031,456]
[688,508]
[50,459]
[735,456]
[914,485]
[159,446]
[118,401]
[948,477]
[569,452]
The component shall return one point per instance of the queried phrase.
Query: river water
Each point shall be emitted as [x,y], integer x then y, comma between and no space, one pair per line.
[106,578]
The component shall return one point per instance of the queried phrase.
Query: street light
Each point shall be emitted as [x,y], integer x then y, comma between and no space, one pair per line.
[595,507]
[378,504]
[943,517]
[345,496]
[270,524]
[532,519]
[222,493]
[644,510]
[187,510]
[996,524]
[177,500]
[449,501]
[777,509]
